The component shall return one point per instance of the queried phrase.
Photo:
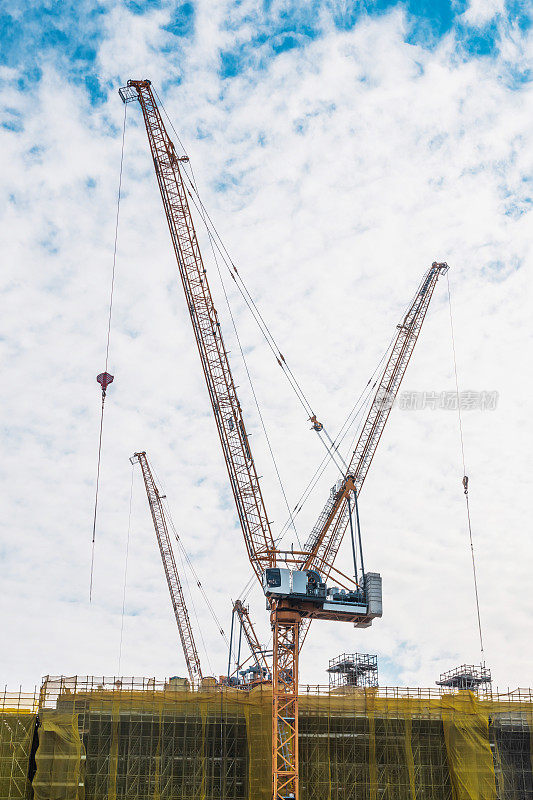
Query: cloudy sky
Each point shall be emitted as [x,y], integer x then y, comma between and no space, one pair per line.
[340,148]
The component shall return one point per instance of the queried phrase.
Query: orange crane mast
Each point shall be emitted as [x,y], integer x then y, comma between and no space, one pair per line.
[171,572]
[293,594]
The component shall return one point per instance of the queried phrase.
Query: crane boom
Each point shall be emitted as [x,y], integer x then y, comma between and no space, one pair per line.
[250,635]
[167,556]
[213,355]
[326,537]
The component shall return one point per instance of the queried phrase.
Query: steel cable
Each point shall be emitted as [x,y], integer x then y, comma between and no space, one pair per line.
[465,477]
[107,352]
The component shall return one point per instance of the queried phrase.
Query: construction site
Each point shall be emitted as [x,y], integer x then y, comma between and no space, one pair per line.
[135,738]
[255,732]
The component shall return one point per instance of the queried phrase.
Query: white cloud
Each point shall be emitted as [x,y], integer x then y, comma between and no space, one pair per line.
[378,157]
[479,12]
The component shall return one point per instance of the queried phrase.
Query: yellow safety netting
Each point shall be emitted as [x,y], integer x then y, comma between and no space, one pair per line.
[466,733]
[16,737]
[59,774]
[214,745]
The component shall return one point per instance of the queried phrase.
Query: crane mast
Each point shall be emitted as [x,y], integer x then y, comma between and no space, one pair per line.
[171,572]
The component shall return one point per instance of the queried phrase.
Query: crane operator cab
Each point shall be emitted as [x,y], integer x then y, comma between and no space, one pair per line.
[306,591]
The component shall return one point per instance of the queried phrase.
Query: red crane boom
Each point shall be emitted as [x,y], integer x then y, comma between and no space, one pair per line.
[213,355]
[171,572]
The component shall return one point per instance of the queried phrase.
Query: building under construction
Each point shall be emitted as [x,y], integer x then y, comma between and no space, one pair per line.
[90,738]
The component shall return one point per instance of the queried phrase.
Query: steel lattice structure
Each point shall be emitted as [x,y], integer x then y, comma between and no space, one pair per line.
[171,572]
[285,705]
[213,355]
[258,653]
[323,544]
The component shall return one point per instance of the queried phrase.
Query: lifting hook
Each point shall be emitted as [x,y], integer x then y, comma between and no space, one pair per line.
[317,426]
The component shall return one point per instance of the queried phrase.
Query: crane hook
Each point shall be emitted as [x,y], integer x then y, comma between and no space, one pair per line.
[317,426]
[465,483]
[104,379]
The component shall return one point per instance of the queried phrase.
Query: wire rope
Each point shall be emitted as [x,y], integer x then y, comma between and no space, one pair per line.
[168,517]
[107,353]
[356,411]
[125,574]
[360,405]
[256,401]
[216,241]
[204,215]
[191,601]
[194,573]
[465,476]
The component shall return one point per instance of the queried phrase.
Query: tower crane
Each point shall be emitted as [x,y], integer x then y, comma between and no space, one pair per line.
[258,653]
[293,594]
[167,556]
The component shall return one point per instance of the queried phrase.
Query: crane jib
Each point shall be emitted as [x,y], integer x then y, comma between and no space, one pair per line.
[284,592]
[326,537]
[171,572]
[234,440]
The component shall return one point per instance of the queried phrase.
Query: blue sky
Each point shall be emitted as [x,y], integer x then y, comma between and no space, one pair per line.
[69,34]
[340,148]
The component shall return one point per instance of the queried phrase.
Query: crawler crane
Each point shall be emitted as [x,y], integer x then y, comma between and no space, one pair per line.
[297,592]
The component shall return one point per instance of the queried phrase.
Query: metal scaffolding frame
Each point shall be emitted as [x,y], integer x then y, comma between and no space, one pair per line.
[354,669]
[142,739]
[467,676]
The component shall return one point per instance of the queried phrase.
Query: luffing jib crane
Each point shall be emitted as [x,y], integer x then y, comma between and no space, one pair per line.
[257,651]
[297,593]
[171,572]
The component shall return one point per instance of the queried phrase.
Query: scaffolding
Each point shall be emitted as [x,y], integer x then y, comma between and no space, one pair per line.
[467,676]
[354,669]
[18,718]
[140,739]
